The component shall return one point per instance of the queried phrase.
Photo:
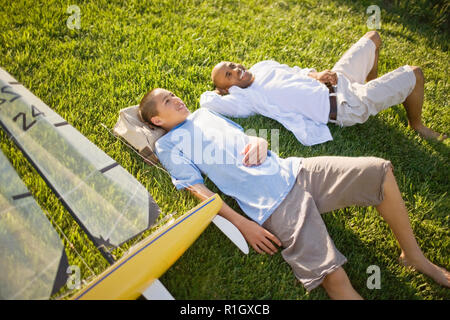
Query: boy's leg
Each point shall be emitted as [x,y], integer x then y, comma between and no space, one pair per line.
[307,246]
[324,184]
[394,212]
[338,182]
[338,286]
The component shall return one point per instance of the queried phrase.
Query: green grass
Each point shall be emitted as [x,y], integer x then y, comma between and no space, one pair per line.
[123,50]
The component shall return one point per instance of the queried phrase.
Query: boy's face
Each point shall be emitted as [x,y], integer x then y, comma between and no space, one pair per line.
[171,109]
[227,74]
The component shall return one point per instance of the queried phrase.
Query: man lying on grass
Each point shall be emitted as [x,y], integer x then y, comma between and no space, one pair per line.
[300,100]
[283,197]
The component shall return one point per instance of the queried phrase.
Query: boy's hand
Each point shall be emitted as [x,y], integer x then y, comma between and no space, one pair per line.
[259,238]
[255,152]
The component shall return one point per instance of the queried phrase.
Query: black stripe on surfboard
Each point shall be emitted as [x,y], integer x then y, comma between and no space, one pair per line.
[21,196]
[14,82]
[60,124]
[61,273]
[107,168]
[153,211]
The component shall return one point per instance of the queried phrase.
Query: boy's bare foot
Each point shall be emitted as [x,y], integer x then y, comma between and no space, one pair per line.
[438,274]
[428,133]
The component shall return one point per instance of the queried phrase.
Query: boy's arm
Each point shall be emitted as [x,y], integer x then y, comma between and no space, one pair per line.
[258,237]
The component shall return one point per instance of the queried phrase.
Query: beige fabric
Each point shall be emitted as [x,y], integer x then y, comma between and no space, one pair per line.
[323,184]
[142,136]
[357,100]
[357,61]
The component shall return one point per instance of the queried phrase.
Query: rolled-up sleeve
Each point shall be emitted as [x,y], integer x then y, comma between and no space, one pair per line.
[183,171]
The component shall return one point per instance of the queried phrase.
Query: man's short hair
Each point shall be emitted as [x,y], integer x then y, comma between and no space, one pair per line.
[147,107]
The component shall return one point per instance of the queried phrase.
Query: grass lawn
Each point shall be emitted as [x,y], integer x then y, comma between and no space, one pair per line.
[123,50]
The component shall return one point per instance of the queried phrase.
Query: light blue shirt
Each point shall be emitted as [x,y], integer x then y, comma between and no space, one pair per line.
[210,144]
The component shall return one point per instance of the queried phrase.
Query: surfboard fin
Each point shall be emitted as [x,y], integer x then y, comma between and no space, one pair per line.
[231,232]
[157,291]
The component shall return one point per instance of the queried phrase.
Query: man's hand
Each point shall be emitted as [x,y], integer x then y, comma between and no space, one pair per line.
[221,91]
[325,76]
[255,152]
[258,237]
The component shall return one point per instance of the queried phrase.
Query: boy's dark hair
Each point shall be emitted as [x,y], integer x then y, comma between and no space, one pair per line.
[147,107]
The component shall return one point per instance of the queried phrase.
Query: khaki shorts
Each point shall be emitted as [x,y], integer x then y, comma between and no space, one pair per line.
[323,184]
[357,100]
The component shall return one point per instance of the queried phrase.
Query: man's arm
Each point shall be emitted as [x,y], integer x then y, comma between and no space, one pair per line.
[258,237]
[234,105]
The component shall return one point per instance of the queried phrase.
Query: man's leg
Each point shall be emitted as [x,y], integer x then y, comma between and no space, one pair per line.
[376,39]
[394,212]
[360,62]
[414,102]
[338,286]
[413,105]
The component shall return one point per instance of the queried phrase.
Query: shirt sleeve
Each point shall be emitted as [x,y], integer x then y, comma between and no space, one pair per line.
[231,105]
[183,171]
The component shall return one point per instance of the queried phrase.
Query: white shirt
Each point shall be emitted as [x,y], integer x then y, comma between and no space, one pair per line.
[300,103]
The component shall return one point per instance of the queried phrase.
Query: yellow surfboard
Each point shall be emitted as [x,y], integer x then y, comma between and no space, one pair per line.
[131,275]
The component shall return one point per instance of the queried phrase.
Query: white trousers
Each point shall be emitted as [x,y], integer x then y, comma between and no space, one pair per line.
[356,99]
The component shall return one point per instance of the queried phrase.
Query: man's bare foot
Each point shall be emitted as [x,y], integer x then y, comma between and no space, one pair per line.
[438,274]
[428,133]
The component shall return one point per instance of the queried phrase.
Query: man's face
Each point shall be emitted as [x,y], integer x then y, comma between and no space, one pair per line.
[171,109]
[227,74]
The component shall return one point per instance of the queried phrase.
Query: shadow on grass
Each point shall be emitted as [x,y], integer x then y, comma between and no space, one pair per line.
[409,153]
[415,166]
[418,16]
[216,269]
[361,255]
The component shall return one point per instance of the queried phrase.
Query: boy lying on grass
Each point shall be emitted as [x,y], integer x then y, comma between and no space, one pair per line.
[300,100]
[283,197]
